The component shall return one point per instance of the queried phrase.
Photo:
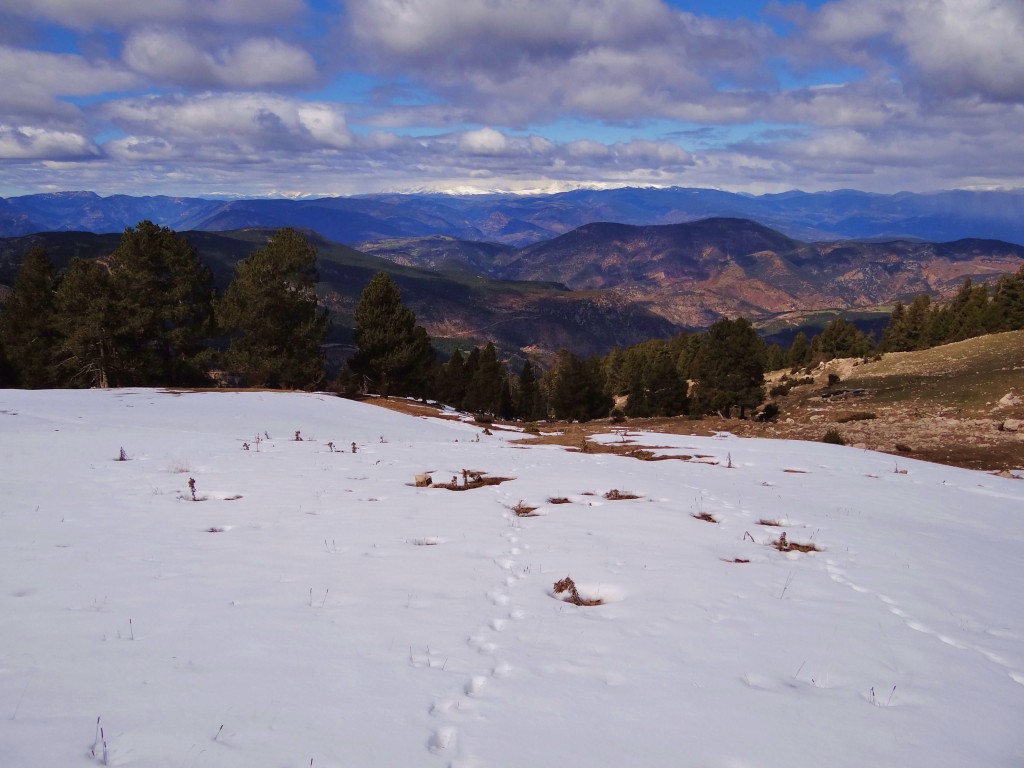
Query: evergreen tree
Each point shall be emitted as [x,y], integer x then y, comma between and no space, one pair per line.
[85,316]
[666,391]
[450,384]
[483,393]
[1007,305]
[165,307]
[8,376]
[799,353]
[529,404]
[842,339]
[27,324]
[393,354]
[270,312]
[968,311]
[637,403]
[729,369]
[776,357]
[578,388]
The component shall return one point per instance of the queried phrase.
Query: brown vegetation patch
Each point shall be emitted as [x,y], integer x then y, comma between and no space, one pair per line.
[734,560]
[568,585]
[784,545]
[524,510]
[707,517]
[616,495]
[856,416]
[480,482]
[771,523]
[796,471]
[559,500]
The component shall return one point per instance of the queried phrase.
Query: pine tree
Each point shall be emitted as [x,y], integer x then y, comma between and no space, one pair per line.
[799,353]
[529,403]
[666,391]
[393,354]
[270,312]
[578,388]
[85,316]
[165,298]
[842,339]
[729,369]
[27,324]
[483,393]
[1007,305]
[450,384]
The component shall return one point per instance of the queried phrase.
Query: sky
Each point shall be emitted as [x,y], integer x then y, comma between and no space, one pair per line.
[340,97]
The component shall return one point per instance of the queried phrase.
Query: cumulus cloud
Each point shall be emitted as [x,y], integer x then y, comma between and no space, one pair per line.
[90,14]
[31,143]
[34,79]
[244,126]
[170,56]
[515,61]
[945,48]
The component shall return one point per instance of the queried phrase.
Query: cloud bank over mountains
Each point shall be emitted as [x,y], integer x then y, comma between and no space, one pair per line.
[247,97]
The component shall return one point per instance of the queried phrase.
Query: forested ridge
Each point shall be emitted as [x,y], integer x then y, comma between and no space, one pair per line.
[149,315]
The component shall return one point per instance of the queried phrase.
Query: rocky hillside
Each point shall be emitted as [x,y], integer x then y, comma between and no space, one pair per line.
[695,273]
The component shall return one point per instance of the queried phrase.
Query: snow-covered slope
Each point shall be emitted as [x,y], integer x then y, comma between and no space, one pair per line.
[334,615]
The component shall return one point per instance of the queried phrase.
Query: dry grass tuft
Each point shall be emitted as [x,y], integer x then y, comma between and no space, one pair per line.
[559,500]
[707,517]
[784,545]
[568,585]
[524,510]
[616,495]
[734,560]
[770,523]
[471,478]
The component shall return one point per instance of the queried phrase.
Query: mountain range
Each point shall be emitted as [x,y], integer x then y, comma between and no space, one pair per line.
[603,285]
[523,220]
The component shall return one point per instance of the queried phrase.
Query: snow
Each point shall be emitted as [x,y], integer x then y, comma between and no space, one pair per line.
[335,615]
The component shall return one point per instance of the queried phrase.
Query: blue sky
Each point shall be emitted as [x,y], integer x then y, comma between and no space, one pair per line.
[320,97]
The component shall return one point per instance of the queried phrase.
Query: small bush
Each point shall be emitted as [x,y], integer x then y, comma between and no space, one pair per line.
[707,517]
[531,429]
[568,585]
[833,379]
[833,437]
[770,412]
[904,448]
[617,416]
[784,545]
[483,418]
[524,510]
[616,495]
[559,500]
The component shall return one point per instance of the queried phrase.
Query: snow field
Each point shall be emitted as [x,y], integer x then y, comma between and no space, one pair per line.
[335,613]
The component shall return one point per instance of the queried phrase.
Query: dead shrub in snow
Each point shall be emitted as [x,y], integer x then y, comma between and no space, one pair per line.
[784,545]
[524,510]
[707,517]
[559,500]
[471,478]
[616,495]
[569,586]
[770,523]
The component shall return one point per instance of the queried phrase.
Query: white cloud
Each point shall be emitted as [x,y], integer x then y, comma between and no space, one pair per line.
[240,125]
[33,80]
[485,141]
[171,56]
[90,14]
[945,48]
[31,143]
